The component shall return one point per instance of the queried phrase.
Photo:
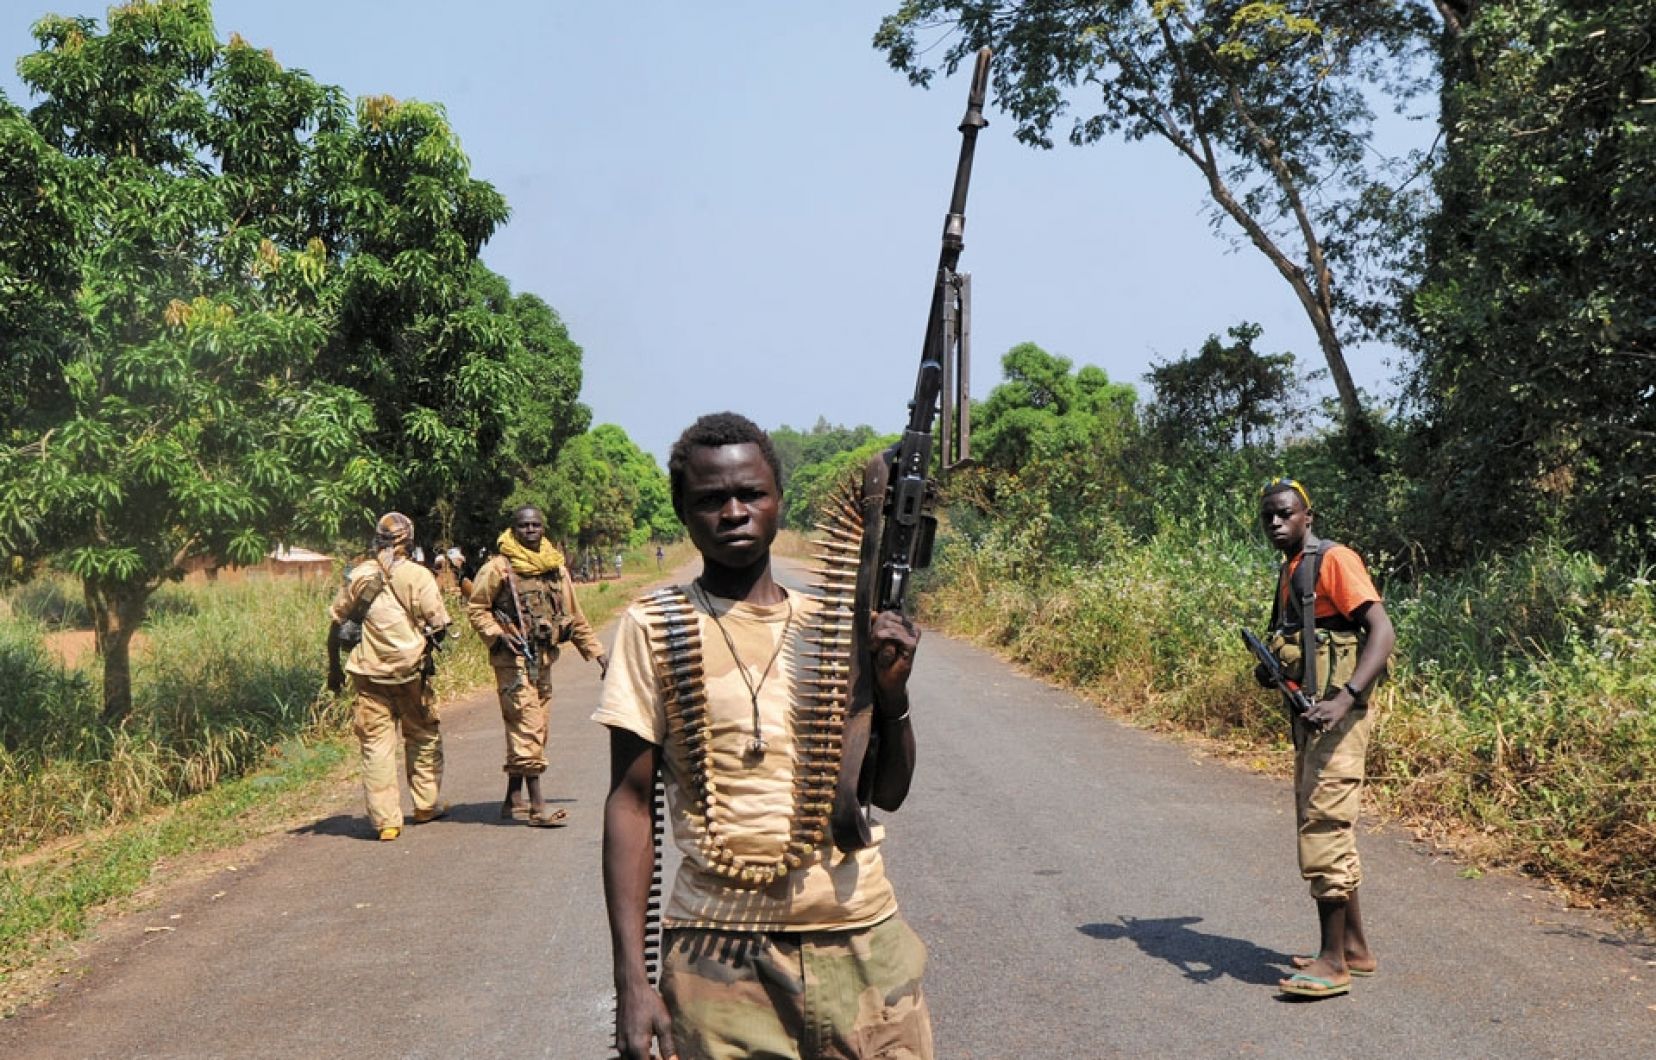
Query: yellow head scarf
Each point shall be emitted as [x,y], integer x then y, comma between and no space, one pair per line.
[543,560]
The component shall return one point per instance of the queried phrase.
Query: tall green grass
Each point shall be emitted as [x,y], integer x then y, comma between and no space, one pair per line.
[1518,717]
[224,672]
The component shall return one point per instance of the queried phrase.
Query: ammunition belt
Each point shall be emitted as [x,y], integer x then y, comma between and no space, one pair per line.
[818,716]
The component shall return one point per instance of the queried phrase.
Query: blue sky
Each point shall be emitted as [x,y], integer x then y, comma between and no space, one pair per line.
[736,203]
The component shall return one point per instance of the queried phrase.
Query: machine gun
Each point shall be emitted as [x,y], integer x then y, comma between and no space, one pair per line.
[899,495]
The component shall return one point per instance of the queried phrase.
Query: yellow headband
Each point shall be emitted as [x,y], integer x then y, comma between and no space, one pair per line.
[1279,483]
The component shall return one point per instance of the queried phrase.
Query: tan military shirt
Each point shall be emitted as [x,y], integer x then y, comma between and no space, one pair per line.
[392,645]
[832,890]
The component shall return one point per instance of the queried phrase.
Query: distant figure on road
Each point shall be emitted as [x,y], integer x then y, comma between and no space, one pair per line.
[618,564]
[660,555]
[1353,638]
[776,942]
[523,605]
[393,605]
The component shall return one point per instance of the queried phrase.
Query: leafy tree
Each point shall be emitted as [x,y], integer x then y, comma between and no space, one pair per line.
[539,411]
[643,479]
[796,448]
[1268,101]
[600,492]
[180,409]
[1043,409]
[423,331]
[1538,314]
[1227,397]
[814,483]
[813,461]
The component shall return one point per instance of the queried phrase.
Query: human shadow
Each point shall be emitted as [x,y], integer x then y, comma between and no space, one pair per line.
[489,813]
[1200,956]
[340,825]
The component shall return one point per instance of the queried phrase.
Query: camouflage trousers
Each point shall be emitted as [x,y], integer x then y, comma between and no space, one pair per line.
[380,710]
[825,995]
[526,708]
[1328,792]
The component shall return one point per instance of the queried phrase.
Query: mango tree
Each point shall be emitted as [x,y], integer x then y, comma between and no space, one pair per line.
[240,242]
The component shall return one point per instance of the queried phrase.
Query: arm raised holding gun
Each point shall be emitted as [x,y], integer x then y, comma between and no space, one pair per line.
[898,518]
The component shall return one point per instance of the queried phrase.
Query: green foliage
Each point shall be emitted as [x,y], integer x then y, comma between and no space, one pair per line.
[814,483]
[796,448]
[533,411]
[1227,397]
[1043,410]
[239,310]
[224,672]
[1537,319]
[818,462]
[602,491]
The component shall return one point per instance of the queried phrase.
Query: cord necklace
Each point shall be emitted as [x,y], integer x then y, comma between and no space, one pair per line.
[756,745]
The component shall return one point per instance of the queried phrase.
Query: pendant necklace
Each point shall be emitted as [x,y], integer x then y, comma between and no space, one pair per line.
[756,745]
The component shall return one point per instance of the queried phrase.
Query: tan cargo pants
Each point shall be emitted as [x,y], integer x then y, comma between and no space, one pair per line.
[825,995]
[379,712]
[1328,792]
[526,708]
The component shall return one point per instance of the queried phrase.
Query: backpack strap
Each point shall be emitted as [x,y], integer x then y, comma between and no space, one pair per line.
[1303,585]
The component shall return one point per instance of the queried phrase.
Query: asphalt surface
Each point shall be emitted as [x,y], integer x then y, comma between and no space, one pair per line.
[1085,889]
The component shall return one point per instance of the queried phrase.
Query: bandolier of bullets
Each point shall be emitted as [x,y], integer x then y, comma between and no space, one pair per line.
[821,693]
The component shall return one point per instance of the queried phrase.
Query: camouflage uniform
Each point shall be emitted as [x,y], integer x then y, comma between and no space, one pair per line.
[824,995]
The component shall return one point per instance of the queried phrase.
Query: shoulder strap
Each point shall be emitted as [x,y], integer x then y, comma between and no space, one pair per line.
[359,609]
[1304,587]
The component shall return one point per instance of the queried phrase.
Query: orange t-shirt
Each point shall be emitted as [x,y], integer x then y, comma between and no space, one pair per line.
[1343,583]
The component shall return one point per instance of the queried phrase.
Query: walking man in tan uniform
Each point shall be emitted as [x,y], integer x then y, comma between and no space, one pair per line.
[523,605]
[400,612]
[777,944]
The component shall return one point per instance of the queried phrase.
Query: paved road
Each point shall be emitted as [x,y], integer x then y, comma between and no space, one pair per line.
[1087,890]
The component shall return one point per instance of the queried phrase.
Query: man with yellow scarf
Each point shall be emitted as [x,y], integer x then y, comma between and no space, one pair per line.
[523,605]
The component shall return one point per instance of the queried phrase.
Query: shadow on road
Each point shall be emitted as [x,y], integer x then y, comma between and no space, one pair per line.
[1200,956]
[343,825]
[355,826]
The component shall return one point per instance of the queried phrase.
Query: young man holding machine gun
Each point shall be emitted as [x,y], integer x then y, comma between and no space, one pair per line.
[523,605]
[1325,597]
[776,943]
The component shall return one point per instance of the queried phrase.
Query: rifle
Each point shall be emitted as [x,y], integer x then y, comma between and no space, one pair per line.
[899,497]
[512,629]
[1298,702]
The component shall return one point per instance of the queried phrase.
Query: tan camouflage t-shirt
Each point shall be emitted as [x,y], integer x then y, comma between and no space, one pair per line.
[832,891]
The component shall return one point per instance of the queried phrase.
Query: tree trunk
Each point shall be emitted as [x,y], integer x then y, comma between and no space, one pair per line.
[117,612]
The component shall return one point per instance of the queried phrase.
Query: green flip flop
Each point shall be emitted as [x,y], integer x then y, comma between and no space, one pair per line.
[1312,986]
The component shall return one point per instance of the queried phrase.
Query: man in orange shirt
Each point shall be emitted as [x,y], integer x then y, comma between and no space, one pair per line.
[1353,638]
